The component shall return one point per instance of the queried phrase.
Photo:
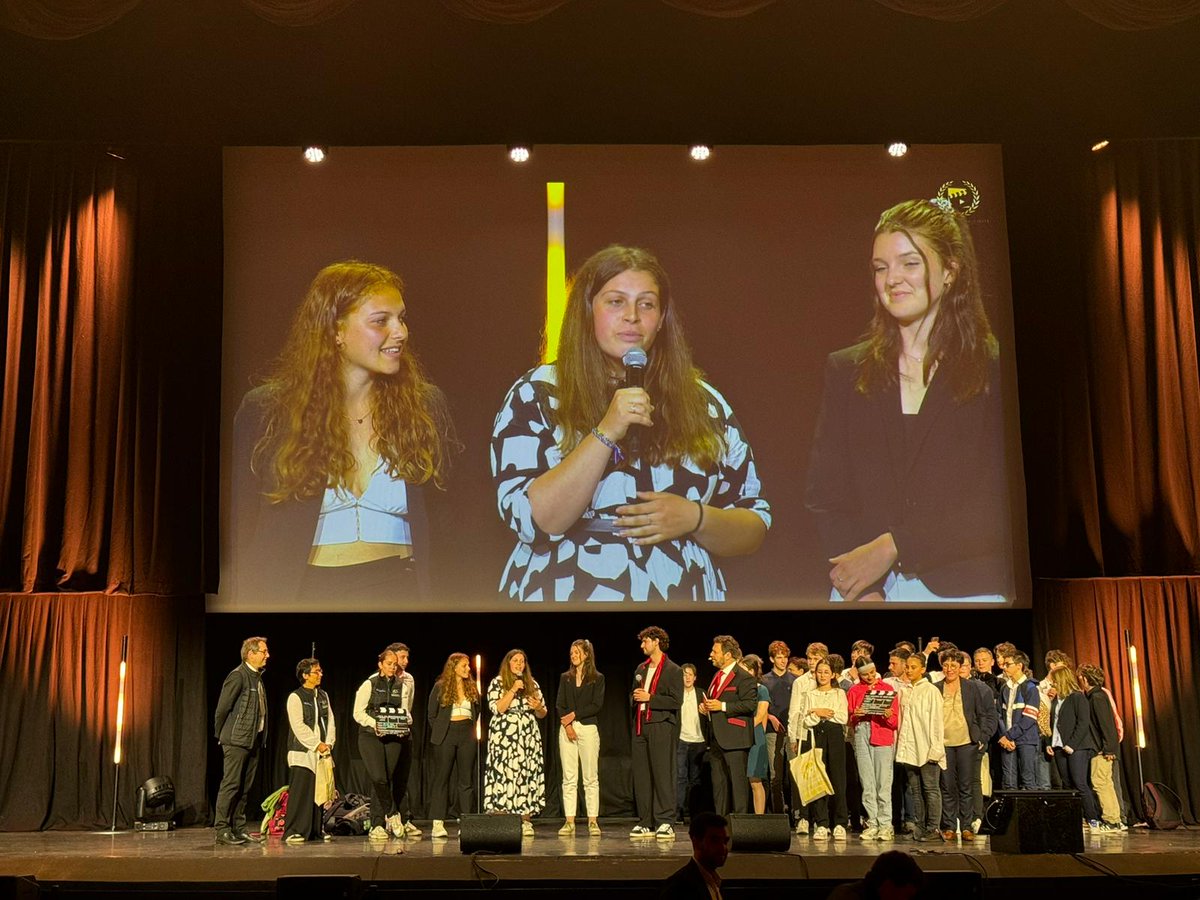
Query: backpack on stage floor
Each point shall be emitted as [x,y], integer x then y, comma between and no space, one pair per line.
[348,814]
[1161,805]
[274,812]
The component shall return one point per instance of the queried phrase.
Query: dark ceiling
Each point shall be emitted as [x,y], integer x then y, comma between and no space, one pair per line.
[622,71]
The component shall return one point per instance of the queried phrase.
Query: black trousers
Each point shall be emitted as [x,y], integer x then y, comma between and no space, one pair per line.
[689,762]
[458,751]
[1074,770]
[400,779]
[653,765]
[960,780]
[831,811]
[380,756]
[238,775]
[303,815]
[730,784]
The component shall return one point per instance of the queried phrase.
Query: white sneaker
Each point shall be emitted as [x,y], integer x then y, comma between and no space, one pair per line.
[394,825]
[527,829]
[802,826]
[294,839]
[411,830]
[377,835]
[886,833]
[975,825]
[839,833]
[640,833]
[439,829]
[664,833]
[870,833]
[567,829]
[821,834]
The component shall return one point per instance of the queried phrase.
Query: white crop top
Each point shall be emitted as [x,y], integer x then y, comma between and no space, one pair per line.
[377,517]
[462,711]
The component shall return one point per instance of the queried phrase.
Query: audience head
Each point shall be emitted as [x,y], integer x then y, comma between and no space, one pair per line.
[710,839]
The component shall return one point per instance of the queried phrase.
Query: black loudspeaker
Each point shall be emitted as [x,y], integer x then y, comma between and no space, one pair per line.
[1159,802]
[18,887]
[759,834]
[1036,822]
[318,887]
[490,833]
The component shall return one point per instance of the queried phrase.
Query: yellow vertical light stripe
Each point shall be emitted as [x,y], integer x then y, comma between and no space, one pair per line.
[556,268]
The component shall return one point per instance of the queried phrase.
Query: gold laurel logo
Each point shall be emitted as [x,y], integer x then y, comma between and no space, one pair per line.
[962,195]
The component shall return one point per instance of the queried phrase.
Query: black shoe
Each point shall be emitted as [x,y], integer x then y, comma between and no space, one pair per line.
[228,836]
[247,836]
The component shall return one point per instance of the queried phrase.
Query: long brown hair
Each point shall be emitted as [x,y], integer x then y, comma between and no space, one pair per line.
[682,426]
[448,681]
[305,445]
[961,342]
[507,677]
[589,661]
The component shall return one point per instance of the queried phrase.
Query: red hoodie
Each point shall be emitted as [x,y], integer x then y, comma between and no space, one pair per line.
[883,728]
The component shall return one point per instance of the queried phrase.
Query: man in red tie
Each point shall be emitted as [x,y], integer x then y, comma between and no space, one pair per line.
[730,705]
[657,691]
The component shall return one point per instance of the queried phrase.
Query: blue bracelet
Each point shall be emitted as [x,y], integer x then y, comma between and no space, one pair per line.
[603,438]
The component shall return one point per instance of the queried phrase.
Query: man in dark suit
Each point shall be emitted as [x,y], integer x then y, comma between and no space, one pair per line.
[657,691]
[240,724]
[730,706]
[698,880]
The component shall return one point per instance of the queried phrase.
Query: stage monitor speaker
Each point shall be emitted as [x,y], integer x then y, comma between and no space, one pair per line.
[1036,822]
[490,833]
[18,887]
[759,834]
[318,887]
[1159,801]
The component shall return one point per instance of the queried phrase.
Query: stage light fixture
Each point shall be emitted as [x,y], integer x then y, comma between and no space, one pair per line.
[700,152]
[897,149]
[519,153]
[155,808]
[1098,146]
[315,154]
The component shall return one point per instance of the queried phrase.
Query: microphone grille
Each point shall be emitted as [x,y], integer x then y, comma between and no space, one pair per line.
[634,358]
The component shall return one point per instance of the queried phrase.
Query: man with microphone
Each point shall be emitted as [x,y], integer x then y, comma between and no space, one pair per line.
[657,691]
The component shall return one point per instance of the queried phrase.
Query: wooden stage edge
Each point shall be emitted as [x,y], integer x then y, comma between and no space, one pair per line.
[189,856]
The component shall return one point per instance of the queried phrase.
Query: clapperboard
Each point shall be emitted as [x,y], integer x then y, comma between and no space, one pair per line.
[877,703]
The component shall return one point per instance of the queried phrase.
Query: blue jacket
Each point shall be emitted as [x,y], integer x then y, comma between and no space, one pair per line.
[1024,728]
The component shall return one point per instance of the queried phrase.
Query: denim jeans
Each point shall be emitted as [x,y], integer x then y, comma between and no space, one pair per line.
[925,782]
[875,773]
[1020,764]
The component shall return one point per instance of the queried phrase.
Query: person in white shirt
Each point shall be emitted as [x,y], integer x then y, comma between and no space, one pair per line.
[804,682]
[399,826]
[820,721]
[311,738]
[690,751]
[921,749]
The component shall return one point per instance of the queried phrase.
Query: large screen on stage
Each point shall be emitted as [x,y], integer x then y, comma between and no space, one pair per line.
[430,400]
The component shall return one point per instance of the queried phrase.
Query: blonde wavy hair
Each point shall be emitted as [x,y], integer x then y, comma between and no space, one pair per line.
[449,682]
[305,445]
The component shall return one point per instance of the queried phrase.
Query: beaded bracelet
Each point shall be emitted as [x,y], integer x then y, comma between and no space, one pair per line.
[700,522]
[599,435]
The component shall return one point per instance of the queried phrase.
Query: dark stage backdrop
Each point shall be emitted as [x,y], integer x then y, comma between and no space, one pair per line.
[347,645]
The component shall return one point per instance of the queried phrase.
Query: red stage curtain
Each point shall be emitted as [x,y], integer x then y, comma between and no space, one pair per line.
[61,656]
[110,273]
[1087,618]
[67,19]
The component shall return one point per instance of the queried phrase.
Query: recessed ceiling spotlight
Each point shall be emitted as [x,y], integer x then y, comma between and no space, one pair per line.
[1098,146]
[700,152]
[897,149]
[519,153]
[315,154]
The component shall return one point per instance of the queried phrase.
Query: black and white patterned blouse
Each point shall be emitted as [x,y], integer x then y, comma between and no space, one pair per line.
[596,565]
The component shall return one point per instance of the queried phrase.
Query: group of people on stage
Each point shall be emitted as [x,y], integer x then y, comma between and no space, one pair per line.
[626,476]
[944,728]
[953,728]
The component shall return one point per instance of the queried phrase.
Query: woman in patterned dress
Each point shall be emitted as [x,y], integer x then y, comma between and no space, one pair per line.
[620,492]
[515,779]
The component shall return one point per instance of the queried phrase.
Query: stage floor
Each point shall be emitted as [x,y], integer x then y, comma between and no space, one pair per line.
[190,856]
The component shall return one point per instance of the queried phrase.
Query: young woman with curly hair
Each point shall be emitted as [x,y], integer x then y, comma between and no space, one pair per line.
[452,712]
[333,450]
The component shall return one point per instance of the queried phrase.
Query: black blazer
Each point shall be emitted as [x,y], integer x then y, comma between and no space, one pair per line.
[685,884]
[733,729]
[1073,716]
[1104,721]
[664,702]
[438,716]
[979,708]
[585,701]
[945,499]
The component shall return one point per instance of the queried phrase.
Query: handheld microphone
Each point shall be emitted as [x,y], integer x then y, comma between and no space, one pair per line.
[635,376]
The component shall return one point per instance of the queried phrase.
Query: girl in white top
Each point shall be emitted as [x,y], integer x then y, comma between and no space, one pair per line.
[822,714]
[921,748]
